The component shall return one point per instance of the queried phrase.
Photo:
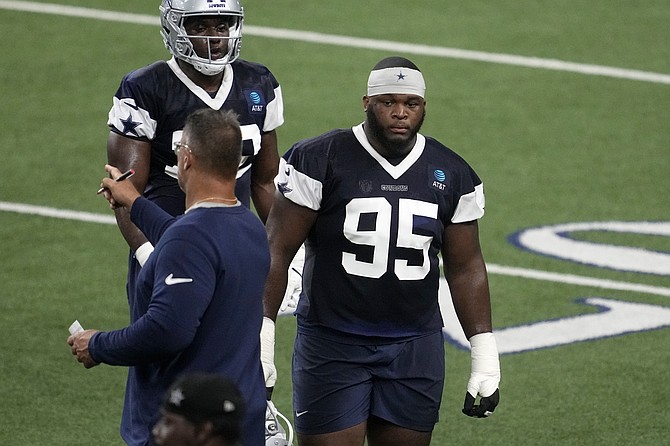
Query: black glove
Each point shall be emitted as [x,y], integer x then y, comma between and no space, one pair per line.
[485,407]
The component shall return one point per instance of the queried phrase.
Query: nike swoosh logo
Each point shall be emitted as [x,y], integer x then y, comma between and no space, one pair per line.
[133,106]
[169,280]
[296,271]
[299,414]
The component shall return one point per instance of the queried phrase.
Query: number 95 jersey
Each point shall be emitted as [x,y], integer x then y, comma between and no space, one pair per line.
[371,262]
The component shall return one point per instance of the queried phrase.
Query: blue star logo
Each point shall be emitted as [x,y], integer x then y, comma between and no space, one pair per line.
[129,125]
[400,76]
[283,188]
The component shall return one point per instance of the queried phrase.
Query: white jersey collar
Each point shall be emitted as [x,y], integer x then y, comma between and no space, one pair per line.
[224,90]
[395,171]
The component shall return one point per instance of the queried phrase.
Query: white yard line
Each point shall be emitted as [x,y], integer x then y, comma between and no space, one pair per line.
[577,280]
[492,268]
[358,42]
[44,211]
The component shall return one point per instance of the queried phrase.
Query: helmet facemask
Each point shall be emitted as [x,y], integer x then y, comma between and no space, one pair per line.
[275,433]
[181,44]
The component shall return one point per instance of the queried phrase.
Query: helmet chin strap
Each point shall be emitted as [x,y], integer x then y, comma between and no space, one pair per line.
[208,69]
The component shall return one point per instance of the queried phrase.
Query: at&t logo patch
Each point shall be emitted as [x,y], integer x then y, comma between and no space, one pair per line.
[440,176]
[255,101]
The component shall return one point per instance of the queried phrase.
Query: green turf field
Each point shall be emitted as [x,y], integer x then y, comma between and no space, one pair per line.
[553,146]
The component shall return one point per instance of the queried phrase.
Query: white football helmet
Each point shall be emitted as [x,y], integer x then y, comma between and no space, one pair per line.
[275,433]
[177,41]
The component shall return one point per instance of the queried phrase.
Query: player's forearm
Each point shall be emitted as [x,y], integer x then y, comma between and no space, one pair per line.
[281,255]
[283,248]
[262,195]
[263,172]
[131,233]
[150,219]
[470,295]
[275,286]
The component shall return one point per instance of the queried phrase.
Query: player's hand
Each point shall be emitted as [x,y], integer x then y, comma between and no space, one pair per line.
[485,407]
[484,377]
[268,353]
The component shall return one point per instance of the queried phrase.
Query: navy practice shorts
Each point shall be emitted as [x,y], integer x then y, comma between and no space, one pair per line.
[337,386]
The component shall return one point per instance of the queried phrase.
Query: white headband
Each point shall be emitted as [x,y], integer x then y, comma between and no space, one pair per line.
[396,80]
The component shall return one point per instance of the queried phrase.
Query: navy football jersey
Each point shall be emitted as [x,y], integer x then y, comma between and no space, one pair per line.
[152,104]
[371,262]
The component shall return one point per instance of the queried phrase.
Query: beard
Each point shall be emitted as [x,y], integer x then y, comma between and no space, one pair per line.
[395,145]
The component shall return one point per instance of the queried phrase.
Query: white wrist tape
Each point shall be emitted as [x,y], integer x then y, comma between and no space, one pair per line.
[143,252]
[268,352]
[485,365]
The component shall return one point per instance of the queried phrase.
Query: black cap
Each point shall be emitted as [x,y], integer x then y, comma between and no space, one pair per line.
[202,397]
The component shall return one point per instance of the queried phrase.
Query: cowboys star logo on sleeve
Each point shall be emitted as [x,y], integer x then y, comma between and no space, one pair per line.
[129,119]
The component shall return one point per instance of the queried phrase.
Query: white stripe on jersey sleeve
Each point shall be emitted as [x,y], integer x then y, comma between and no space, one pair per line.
[274,112]
[298,187]
[126,110]
[470,206]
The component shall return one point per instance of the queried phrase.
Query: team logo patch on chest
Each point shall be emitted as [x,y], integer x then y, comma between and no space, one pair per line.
[255,101]
[365,186]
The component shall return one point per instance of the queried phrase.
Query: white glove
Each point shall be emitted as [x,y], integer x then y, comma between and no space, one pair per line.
[484,376]
[268,352]
[294,284]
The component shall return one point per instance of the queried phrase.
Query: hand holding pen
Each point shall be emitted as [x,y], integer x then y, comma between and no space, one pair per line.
[118,192]
[121,177]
